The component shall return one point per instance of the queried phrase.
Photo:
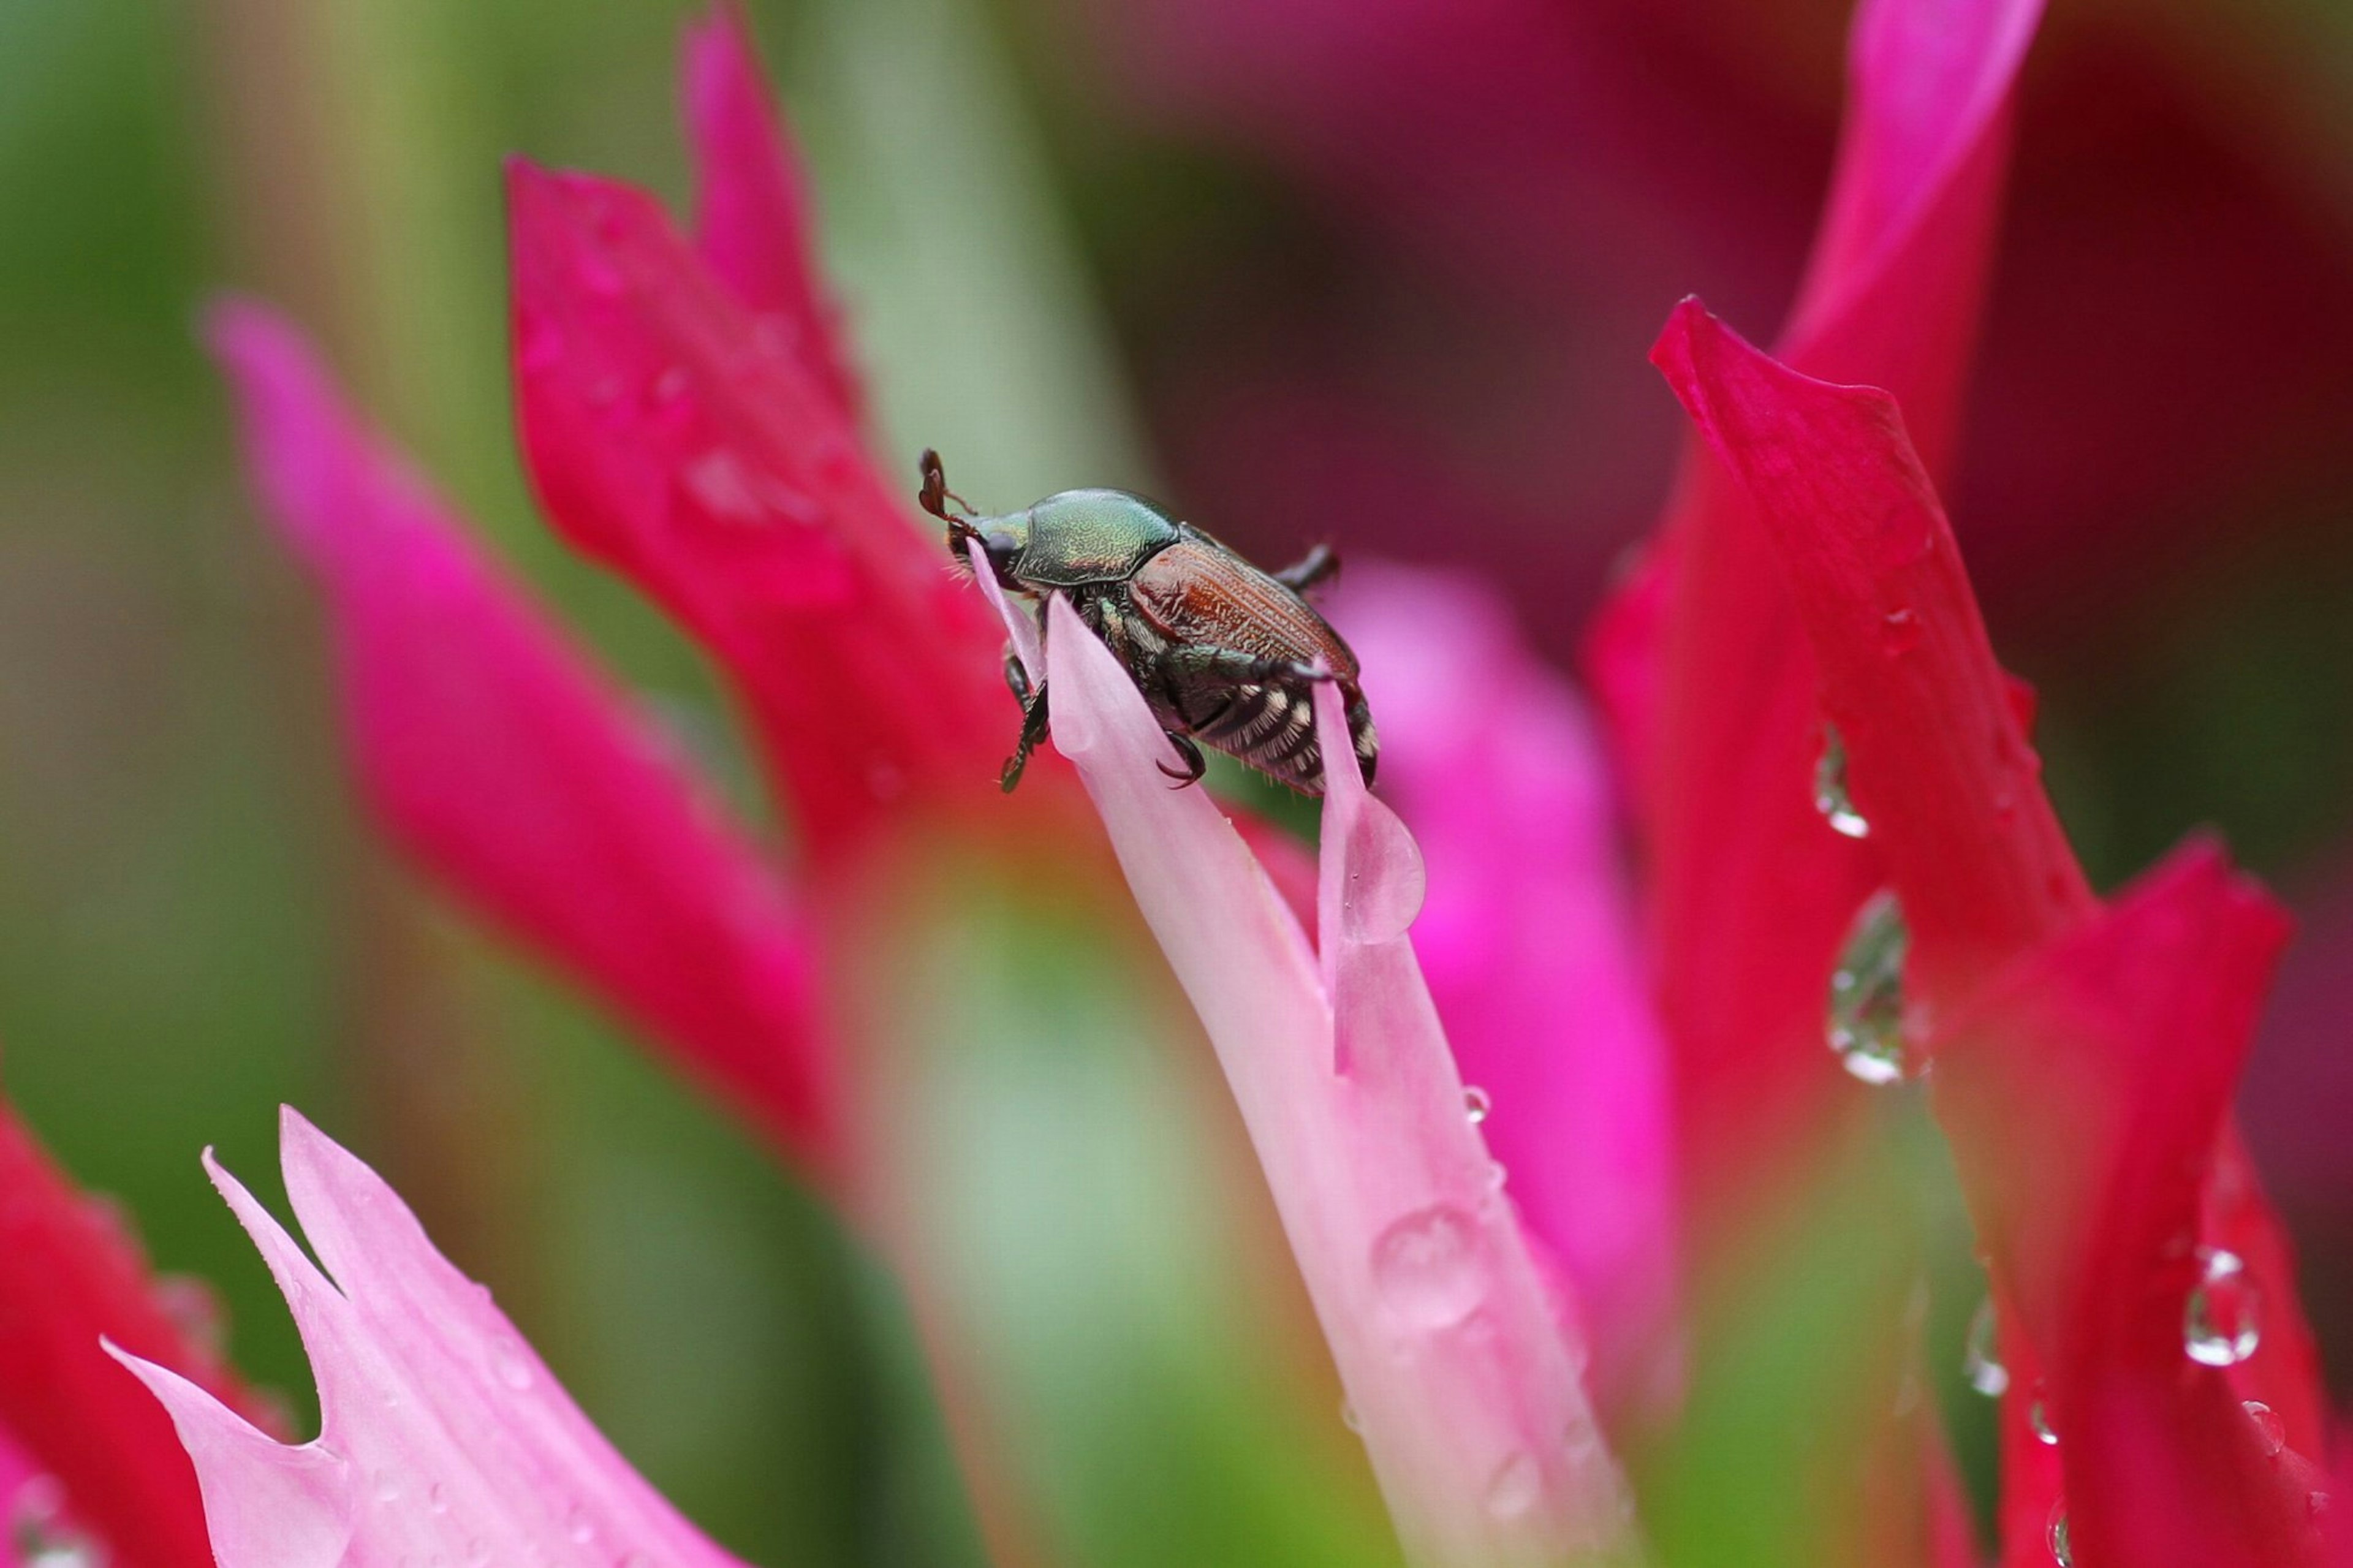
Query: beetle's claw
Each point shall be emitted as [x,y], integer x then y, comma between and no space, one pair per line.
[1196,764]
[1010,777]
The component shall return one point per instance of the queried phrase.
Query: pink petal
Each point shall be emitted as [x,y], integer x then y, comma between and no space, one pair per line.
[507,762]
[444,1436]
[752,218]
[2083,1093]
[1490,761]
[670,438]
[1454,1361]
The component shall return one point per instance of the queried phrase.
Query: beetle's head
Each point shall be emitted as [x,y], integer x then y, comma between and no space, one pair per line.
[1000,539]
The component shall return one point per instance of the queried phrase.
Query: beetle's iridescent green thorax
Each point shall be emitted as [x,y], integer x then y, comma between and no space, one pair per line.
[1075,538]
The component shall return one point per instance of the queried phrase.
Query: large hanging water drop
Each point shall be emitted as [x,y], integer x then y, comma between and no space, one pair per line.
[1830,788]
[1429,1269]
[2218,1325]
[1981,1362]
[2061,1551]
[1866,1012]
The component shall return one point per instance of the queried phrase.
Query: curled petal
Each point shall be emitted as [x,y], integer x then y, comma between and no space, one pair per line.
[1707,679]
[1490,761]
[444,1436]
[1936,761]
[1453,1358]
[671,438]
[500,757]
[70,1275]
[2084,1092]
[752,203]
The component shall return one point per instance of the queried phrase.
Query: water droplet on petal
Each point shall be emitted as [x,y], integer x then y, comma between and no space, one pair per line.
[508,1362]
[2317,1504]
[1427,1268]
[2218,1325]
[2038,1416]
[1516,1488]
[387,1487]
[1866,1009]
[2061,1552]
[2267,1425]
[1475,1103]
[1386,882]
[1497,1174]
[1830,788]
[1980,1363]
[579,1527]
[1350,1419]
[1899,630]
[437,1498]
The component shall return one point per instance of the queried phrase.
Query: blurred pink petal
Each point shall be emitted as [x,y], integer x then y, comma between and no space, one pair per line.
[507,762]
[751,216]
[673,439]
[444,1436]
[1452,1355]
[1752,892]
[1524,940]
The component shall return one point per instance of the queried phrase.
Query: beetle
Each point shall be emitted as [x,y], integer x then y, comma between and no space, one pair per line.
[1226,654]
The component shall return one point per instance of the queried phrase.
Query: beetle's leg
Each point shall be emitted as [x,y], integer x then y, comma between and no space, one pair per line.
[1016,678]
[1195,765]
[1033,729]
[1317,568]
[1235,667]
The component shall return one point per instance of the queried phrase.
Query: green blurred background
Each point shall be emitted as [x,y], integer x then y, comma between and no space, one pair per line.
[1065,264]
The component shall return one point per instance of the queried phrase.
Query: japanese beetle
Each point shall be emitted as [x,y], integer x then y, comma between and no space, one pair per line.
[1226,654]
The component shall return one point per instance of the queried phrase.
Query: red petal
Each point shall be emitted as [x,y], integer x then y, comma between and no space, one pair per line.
[69,1275]
[1752,892]
[508,763]
[674,439]
[1936,760]
[2083,1095]
[752,205]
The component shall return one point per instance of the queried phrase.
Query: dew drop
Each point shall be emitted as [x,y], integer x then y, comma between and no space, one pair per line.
[1350,1419]
[2039,1417]
[2061,1552]
[579,1527]
[507,1360]
[1497,1174]
[1517,1487]
[387,1487]
[1475,1103]
[1980,1362]
[1830,788]
[1866,1008]
[2218,1325]
[2267,1425]
[1899,630]
[2317,1504]
[719,480]
[1427,1269]
[437,1498]
[1385,879]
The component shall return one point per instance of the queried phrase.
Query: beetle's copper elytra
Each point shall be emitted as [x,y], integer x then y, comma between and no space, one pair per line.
[1226,654]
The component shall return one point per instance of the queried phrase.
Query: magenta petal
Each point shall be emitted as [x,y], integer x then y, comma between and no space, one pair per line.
[752,202]
[1937,759]
[1456,1364]
[2084,1093]
[668,437]
[444,1436]
[1525,941]
[508,765]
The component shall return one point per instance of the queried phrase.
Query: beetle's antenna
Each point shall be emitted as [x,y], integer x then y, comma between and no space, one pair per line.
[935,495]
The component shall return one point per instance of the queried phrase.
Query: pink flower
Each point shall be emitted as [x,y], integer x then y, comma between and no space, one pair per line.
[444,1436]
